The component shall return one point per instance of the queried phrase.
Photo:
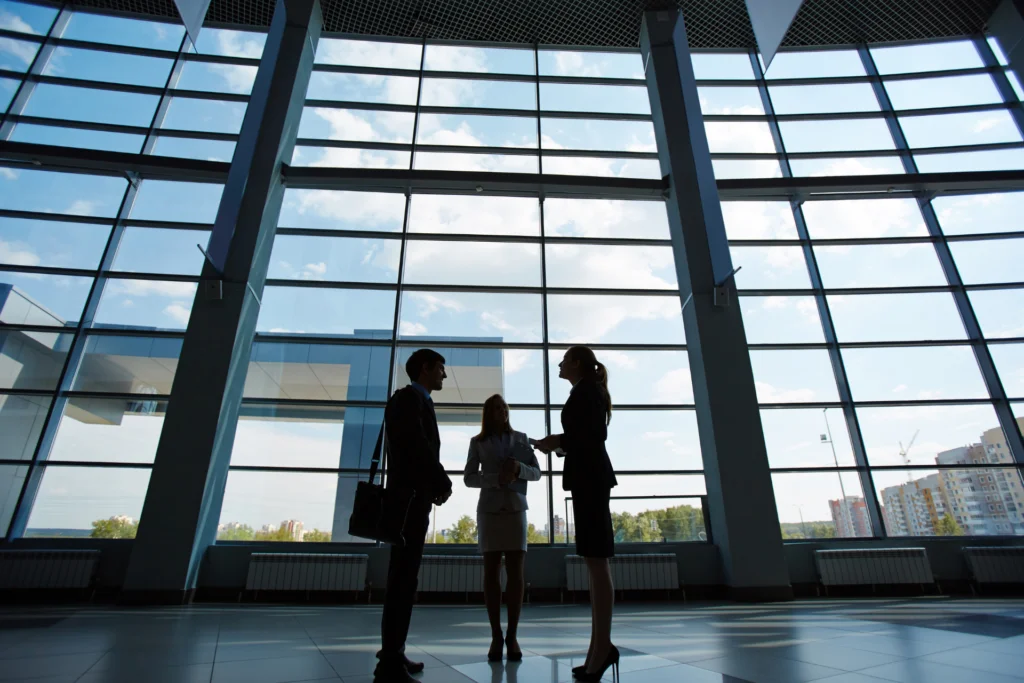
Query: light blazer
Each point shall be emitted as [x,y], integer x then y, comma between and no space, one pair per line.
[483,465]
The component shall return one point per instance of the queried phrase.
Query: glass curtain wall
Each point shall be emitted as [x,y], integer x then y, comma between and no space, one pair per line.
[854,288]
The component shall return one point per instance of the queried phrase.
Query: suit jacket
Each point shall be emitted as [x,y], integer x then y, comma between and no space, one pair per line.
[483,465]
[584,431]
[414,458]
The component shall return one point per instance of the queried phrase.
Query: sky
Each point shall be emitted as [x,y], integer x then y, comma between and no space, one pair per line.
[639,439]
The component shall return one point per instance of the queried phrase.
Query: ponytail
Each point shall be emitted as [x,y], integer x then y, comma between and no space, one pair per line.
[596,370]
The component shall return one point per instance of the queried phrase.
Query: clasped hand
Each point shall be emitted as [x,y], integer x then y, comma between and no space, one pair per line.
[508,471]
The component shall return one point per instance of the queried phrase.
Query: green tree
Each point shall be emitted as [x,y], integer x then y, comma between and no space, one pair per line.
[115,527]
[243,532]
[281,534]
[534,536]
[463,531]
[317,536]
[948,526]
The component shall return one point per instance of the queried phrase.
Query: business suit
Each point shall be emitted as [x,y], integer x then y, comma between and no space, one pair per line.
[501,510]
[588,471]
[414,466]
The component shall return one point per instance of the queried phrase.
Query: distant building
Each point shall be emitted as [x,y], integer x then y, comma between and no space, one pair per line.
[294,528]
[850,516]
[914,508]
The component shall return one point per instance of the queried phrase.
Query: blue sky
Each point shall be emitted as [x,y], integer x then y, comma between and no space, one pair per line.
[640,440]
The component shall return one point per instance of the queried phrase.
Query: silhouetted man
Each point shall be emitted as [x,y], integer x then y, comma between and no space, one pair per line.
[414,465]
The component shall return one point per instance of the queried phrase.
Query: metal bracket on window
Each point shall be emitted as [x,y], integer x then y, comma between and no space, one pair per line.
[722,290]
[214,289]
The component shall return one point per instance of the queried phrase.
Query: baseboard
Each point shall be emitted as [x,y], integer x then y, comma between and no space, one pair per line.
[760,593]
[155,597]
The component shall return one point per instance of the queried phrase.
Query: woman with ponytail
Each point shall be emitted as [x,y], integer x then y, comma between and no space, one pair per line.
[589,476]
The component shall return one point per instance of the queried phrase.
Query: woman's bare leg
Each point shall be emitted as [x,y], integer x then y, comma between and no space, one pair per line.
[602,598]
[514,589]
[492,594]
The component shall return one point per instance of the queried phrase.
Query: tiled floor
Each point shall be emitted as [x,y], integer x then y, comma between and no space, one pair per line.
[862,641]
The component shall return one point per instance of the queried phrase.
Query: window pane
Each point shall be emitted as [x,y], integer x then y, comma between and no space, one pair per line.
[997,160]
[306,436]
[821,505]
[835,136]
[209,116]
[634,377]
[25,18]
[468,215]
[815,64]
[799,437]
[822,99]
[975,128]
[1000,312]
[318,372]
[730,168]
[445,92]
[81,139]
[793,376]
[7,88]
[229,43]
[16,55]
[481,163]
[362,88]
[193,148]
[649,440]
[907,374]
[340,259]
[474,375]
[455,521]
[610,267]
[109,430]
[478,59]
[356,313]
[613,99]
[162,200]
[349,158]
[342,210]
[730,100]
[121,31]
[108,67]
[953,91]
[1009,360]
[145,303]
[626,136]
[864,218]
[279,506]
[926,57]
[28,242]
[587,319]
[721,65]
[91,104]
[605,218]
[30,299]
[988,261]
[477,131]
[71,500]
[32,360]
[591,64]
[759,221]
[895,317]
[472,263]
[739,136]
[471,316]
[368,53]
[226,78]
[600,167]
[160,250]
[781,320]
[128,365]
[356,125]
[952,502]
[770,268]
[849,166]
[21,421]
[980,213]
[879,265]
[888,432]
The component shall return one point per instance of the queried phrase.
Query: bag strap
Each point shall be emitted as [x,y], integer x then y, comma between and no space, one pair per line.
[380,457]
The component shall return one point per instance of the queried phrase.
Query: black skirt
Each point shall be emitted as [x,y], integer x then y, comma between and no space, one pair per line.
[593,518]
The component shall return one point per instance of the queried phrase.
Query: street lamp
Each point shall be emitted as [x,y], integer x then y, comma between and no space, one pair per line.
[827,438]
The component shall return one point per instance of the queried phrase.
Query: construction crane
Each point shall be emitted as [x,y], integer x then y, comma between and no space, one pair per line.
[905,457]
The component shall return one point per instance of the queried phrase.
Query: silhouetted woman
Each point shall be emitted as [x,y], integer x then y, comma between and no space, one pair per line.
[500,463]
[589,477]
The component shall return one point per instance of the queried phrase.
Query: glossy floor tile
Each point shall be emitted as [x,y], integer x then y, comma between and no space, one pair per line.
[840,641]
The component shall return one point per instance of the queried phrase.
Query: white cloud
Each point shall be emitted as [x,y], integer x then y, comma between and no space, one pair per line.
[766,393]
[899,388]
[618,359]
[658,435]
[175,290]
[83,207]
[17,253]
[410,329]
[674,387]
[22,51]
[515,360]
[758,220]
[981,125]
[12,22]
[314,271]
[178,312]
[8,174]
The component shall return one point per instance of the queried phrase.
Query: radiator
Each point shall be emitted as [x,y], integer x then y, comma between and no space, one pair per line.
[454,574]
[306,572]
[869,567]
[995,564]
[48,568]
[659,571]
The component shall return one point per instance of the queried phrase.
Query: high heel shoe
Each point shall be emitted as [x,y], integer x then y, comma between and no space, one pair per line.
[494,654]
[611,661]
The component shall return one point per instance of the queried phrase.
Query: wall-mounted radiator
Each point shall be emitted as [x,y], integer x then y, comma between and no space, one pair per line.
[873,567]
[454,574]
[48,568]
[992,564]
[658,571]
[306,572]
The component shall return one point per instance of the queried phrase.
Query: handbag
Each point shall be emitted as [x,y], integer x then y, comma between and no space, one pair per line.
[379,513]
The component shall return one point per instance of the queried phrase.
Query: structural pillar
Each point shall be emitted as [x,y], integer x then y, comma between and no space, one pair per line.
[1006,25]
[182,506]
[744,519]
